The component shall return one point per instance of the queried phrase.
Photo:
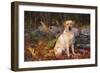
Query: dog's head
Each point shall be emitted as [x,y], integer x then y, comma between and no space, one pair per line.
[68,24]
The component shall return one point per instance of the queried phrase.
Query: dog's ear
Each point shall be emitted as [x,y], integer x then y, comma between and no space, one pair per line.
[73,23]
[64,23]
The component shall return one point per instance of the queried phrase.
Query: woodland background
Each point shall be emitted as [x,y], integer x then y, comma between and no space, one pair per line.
[42,29]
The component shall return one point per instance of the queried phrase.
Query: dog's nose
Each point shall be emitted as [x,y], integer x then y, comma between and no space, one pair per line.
[70,28]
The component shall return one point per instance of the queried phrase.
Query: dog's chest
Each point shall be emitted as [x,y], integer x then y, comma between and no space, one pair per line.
[68,37]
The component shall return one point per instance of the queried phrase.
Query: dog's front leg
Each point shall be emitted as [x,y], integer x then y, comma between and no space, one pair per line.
[67,50]
[73,51]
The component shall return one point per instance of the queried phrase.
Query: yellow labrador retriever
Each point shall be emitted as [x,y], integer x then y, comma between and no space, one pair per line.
[65,40]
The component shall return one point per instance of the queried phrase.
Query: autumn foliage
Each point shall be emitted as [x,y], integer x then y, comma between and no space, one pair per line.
[41,53]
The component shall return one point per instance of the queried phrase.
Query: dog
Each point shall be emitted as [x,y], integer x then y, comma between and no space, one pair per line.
[65,41]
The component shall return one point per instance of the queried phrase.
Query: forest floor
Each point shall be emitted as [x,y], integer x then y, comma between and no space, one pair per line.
[42,55]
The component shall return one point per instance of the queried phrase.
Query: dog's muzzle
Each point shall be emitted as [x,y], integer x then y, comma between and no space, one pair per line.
[70,28]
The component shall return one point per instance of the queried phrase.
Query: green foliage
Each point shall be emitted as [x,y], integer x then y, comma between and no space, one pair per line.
[51,43]
[34,37]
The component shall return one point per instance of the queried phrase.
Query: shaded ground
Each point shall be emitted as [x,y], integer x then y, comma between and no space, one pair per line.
[41,54]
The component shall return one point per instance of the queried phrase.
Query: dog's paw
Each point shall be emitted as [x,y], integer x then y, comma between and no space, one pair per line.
[68,55]
[74,54]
